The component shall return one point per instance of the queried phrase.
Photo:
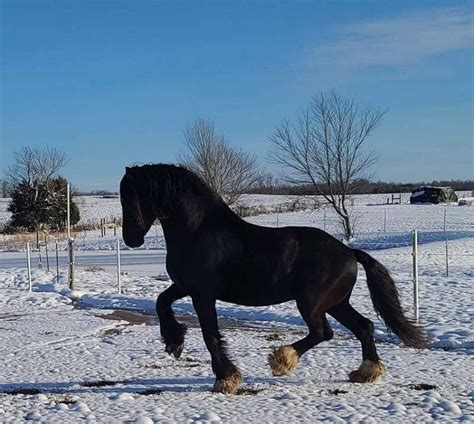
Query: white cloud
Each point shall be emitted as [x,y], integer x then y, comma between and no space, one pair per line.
[402,40]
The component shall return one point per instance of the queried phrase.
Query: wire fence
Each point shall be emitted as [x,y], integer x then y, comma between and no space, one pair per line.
[380,219]
[415,249]
[378,243]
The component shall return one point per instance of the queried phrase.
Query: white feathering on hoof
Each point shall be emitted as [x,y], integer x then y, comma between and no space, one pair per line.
[368,372]
[283,360]
[228,385]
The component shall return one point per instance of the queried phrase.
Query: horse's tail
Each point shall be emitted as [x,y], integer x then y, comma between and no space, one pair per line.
[386,302]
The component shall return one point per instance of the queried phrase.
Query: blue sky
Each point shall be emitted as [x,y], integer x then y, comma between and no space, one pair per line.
[115,82]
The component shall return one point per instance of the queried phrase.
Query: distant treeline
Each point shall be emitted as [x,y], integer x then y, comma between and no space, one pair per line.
[361,187]
[272,186]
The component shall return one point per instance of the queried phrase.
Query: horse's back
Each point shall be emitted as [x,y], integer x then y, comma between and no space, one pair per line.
[273,265]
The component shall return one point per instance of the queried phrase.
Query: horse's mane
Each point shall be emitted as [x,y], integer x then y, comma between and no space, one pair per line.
[172,181]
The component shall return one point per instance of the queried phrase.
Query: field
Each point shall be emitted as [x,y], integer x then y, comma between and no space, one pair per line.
[70,356]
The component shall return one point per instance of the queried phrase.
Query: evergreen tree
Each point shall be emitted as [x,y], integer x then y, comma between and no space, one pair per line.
[57,205]
[25,206]
[41,205]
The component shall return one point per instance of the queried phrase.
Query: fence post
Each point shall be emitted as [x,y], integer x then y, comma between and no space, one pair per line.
[28,264]
[119,282]
[70,245]
[57,262]
[46,253]
[40,261]
[68,210]
[385,220]
[447,258]
[415,273]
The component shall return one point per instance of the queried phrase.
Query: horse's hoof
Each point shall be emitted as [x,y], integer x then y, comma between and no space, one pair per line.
[228,385]
[174,349]
[283,360]
[368,372]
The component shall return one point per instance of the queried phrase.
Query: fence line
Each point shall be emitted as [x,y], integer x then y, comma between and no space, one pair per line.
[415,254]
[361,244]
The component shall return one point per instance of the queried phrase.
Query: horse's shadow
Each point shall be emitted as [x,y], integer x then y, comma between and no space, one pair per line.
[138,386]
[198,384]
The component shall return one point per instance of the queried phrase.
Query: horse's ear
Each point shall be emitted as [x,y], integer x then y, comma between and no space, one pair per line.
[127,170]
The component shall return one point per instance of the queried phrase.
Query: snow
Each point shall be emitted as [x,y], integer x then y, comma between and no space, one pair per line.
[67,358]
[418,193]
[466,201]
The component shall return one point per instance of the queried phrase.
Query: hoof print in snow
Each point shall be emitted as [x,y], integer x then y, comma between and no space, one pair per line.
[337,391]
[273,337]
[209,417]
[149,392]
[62,401]
[153,366]
[248,391]
[33,416]
[423,386]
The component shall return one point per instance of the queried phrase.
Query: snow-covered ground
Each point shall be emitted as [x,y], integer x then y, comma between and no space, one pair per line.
[68,357]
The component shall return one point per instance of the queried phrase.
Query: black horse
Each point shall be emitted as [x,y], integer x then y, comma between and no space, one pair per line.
[215,255]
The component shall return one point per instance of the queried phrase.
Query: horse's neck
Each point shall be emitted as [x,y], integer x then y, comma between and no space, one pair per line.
[194,217]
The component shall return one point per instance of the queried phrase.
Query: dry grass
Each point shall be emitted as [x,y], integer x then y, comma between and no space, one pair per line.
[19,240]
[23,238]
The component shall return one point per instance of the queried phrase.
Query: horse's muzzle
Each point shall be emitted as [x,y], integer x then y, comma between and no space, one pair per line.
[133,241]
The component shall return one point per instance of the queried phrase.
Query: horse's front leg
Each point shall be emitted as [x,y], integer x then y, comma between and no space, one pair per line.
[172,332]
[228,377]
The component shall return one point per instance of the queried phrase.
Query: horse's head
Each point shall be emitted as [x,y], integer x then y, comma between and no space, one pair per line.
[137,210]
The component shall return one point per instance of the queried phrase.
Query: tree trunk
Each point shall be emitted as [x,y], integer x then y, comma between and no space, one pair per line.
[348,229]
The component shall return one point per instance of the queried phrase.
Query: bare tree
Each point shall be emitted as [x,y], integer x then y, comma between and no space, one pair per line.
[5,188]
[34,165]
[266,181]
[227,170]
[325,148]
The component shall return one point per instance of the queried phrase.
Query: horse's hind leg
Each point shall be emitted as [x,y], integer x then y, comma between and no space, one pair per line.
[284,359]
[371,370]
[172,332]
[228,377]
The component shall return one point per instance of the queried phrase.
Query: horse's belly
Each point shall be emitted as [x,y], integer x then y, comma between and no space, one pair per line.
[257,293]
[255,300]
